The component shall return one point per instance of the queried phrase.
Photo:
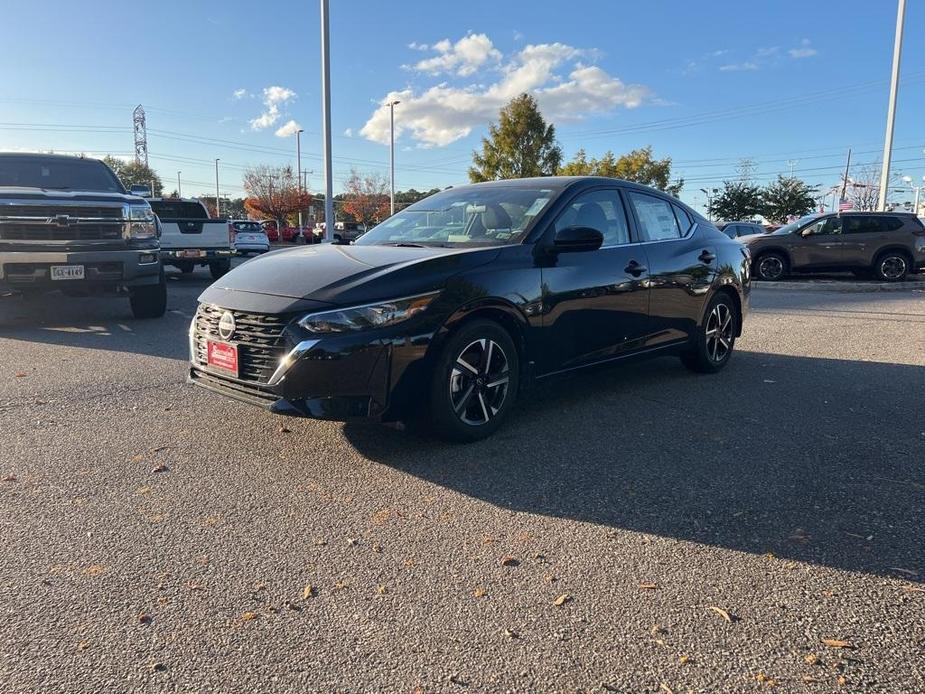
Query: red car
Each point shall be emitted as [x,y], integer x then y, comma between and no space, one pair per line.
[289,234]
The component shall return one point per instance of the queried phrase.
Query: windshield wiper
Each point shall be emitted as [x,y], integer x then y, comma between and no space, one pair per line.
[404,244]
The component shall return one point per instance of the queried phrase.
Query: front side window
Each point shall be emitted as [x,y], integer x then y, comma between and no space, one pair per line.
[823,227]
[601,210]
[656,218]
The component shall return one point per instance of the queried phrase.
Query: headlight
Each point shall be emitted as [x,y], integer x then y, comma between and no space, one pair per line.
[364,317]
[140,222]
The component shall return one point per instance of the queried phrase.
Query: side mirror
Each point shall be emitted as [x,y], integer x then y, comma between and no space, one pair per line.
[571,239]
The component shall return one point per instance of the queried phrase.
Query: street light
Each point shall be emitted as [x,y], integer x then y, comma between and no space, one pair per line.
[179,191]
[392,105]
[915,189]
[891,109]
[218,212]
[326,121]
[298,157]
[709,198]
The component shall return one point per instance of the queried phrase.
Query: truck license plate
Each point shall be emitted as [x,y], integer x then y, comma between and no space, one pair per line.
[67,272]
[222,355]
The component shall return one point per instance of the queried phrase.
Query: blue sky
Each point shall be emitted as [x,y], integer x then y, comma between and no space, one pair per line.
[705,83]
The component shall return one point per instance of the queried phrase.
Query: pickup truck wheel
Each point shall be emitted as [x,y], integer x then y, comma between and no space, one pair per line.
[219,268]
[186,268]
[150,301]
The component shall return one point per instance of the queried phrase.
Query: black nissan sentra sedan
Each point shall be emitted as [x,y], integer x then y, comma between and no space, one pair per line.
[450,308]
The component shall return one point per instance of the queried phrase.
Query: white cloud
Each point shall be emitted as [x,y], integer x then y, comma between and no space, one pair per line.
[463,58]
[804,51]
[736,67]
[272,98]
[564,87]
[239,93]
[289,129]
[348,132]
[415,46]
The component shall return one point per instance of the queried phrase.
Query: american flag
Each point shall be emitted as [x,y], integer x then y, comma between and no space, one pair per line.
[845,205]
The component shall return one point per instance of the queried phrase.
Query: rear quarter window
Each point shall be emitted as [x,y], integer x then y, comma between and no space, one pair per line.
[178,209]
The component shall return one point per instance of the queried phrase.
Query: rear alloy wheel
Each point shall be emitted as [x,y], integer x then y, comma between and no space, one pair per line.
[770,267]
[219,267]
[712,347]
[891,266]
[475,382]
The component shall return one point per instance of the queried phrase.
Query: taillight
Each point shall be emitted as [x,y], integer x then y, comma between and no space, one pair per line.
[231,233]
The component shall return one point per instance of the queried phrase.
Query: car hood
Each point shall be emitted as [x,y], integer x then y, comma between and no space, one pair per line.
[9,194]
[344,275]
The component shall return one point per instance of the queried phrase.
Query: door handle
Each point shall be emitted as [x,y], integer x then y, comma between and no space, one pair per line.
[635,269]
[706,257]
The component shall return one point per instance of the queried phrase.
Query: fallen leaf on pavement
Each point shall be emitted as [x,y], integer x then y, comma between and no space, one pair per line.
[283,429]
[811,659]
[511,634]
[160,468]
[144,618]
[480,592]
[764,679]
[841,680]
[837,643]
[351,541]
[9,478]
[83,645]
[684,660]
[377,548]
[381,590]
[137,458]
[562,599]
[21,374]
[94,570]
[308,592]
[913,589]
[648,586]
[722,613]
[509,561]
[665,688]
[249,616]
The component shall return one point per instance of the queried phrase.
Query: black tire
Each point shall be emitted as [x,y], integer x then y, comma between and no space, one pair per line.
[217,268]
[337,239]
[770,267]
[469,401]
[892,266]
[712,345]
[186,268]
[150,301]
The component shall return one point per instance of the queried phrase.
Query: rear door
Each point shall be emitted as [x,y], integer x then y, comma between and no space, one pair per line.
[864,235]
[682,266]
[818,245]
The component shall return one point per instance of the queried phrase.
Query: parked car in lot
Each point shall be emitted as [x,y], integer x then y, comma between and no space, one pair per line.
[449,308]
[190,238]
[67,223]
[736,229]
[276,235]
[885,245]
[248,237]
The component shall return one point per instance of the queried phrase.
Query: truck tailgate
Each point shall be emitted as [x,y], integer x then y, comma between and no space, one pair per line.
[194,233]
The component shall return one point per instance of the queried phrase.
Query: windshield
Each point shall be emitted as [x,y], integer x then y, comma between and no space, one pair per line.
[58,173]
[471,216]
[793,226]
[178,209]
[253,227]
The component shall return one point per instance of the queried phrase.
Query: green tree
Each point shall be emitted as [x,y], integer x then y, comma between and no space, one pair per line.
[738,200]
[787,197]
[637,166]
[519,146]
[135,173]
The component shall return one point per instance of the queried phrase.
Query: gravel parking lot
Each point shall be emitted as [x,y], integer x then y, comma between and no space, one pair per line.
[638,529]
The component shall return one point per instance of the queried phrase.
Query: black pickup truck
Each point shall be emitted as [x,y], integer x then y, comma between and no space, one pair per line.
[67,223]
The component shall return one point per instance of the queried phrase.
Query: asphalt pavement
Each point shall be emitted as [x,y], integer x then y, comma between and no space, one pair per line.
[636,529]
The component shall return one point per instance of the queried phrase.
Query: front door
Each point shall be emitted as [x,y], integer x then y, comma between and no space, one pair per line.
[818,245]
[595,303]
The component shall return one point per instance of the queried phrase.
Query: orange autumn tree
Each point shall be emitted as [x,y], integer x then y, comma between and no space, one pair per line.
[273,192]
[366,197]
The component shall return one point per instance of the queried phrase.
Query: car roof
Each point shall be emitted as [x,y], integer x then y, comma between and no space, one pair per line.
[42,155]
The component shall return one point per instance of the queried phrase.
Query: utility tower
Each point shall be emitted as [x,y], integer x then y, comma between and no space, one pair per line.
[141,135]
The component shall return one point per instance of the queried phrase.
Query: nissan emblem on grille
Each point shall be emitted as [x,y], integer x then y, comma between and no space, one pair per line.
[226,326]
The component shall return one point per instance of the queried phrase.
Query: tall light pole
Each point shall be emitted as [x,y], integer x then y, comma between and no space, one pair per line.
[326,122]
[891,110]
[218,205]
[392,105]
[915,189]
[709,199]
[298,170]
[179,191]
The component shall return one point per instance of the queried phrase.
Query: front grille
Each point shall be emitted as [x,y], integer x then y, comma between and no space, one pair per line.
[44,223]
[41,232]
[257,335]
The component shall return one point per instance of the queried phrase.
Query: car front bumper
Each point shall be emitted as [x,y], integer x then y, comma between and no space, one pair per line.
[32,269]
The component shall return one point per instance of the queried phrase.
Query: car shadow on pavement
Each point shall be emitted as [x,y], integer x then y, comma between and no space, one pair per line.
[815,460]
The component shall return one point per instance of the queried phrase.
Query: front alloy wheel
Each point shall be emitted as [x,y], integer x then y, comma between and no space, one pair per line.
[891,267]
[771,267]
[711,347]
[475,382]
[720,333]
[479,382]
